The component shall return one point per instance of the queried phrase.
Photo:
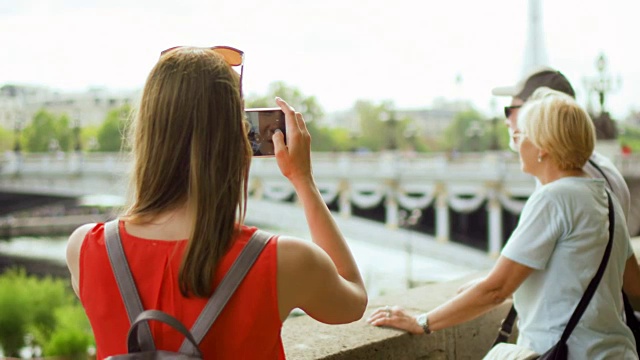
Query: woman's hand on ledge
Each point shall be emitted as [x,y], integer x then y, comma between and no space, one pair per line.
[395,317]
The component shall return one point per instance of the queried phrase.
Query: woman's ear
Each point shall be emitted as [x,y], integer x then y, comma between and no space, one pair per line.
[542,153]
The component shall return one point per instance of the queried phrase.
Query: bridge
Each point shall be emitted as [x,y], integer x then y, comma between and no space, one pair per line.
[387,186]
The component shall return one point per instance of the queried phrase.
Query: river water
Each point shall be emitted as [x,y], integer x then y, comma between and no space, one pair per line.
[385,270]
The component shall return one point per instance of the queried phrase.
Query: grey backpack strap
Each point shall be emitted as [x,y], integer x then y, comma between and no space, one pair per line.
[226,288]
[157,315]
[127,287]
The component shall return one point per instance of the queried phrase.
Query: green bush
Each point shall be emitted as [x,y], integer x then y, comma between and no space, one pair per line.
[72,335]
[15,314]
[45,297]
[45,309]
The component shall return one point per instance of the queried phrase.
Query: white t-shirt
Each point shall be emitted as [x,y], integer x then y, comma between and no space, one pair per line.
[562,234]
[614,181]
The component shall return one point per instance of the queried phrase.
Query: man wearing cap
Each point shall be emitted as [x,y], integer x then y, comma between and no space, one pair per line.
[598,165]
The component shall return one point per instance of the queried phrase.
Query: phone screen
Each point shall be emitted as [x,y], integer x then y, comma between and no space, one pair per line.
[263,123]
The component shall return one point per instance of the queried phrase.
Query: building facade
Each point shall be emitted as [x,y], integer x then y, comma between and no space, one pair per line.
[19,103]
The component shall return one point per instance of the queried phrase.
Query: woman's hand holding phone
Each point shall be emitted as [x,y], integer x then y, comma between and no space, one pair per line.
[294,158]
[344,295]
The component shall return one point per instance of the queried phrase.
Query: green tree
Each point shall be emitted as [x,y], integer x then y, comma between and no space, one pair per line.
[7,139]
[47,132]
[307,105]
[64,132]
[323,137]
[370,132]
[40,133]
[472,131]
[111,133]
[89,137]
[380,128]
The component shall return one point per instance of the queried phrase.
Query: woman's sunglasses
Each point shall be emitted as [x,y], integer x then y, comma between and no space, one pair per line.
[232,56]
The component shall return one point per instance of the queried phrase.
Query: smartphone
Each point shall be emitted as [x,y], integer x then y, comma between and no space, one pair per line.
[263,123]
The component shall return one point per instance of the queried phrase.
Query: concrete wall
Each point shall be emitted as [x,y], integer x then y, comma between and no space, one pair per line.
[305,338]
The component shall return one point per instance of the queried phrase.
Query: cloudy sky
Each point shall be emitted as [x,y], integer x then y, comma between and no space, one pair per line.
[408,51]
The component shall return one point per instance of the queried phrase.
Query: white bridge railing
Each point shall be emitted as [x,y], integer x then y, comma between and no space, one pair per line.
[396,180]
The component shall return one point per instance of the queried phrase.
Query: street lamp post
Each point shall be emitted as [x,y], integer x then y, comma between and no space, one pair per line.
[494,134]
[54,146]
[353,140]
[494,127]
[409,221]
[76,132]
[388,117]
[410,134]
[602,84]
[473,133]
[17,132]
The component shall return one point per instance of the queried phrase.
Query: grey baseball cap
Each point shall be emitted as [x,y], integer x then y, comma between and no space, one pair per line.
[539,77]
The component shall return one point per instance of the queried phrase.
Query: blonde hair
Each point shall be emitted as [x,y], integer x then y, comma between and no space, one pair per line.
[189,145]
[553,121]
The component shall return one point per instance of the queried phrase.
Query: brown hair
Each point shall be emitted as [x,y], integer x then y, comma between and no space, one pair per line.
[189,145]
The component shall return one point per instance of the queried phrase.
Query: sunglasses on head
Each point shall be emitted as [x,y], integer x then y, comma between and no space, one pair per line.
[232,56]
[509,109]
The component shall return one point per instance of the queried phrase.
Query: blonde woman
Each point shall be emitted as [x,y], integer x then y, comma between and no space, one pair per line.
[556,248]
[185,227]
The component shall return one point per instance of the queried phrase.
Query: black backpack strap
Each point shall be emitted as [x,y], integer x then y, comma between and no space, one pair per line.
[506,327]
[127,286]
[593,285]
[226,288]
[507,323]
[593,163]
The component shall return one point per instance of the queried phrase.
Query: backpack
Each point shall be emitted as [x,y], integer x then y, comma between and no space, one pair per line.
[140,344]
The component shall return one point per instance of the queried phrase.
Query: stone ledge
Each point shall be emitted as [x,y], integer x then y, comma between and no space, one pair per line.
[305,338]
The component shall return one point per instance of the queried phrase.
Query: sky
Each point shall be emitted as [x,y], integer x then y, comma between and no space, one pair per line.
[406,51]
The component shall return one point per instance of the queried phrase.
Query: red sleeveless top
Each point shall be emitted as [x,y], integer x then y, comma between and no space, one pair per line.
[248,327]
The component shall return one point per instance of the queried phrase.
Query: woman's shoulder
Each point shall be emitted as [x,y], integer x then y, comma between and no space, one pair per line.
[571,187]
[79,234]
[75,243]
[297,253]
[302,260]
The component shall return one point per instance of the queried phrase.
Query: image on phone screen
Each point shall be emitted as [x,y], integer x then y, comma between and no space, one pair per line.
[263,123]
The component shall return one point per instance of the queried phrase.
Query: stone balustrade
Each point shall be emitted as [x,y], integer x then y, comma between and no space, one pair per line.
[307,339]
[462,183]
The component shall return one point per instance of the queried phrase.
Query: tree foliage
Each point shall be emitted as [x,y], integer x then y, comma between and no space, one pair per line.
[48,132]
[111,133]
[307,105]
[64,133]
[7,139]
[471,131]
[323,138]
[379,128]
[45,309]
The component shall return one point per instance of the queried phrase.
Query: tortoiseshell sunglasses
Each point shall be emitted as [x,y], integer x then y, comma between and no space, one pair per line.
[232,56]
